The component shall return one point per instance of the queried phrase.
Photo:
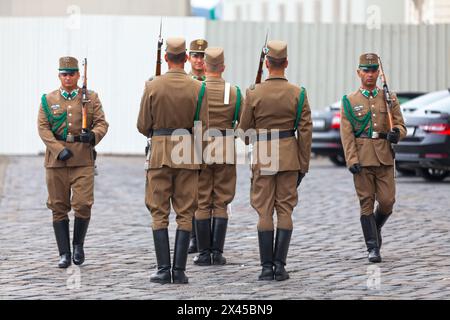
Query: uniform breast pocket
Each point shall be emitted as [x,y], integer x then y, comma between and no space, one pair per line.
[360,110]
[57,112]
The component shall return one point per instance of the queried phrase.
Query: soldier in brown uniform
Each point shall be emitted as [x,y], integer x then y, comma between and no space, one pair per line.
[197,60]
[367,139]
[217,180]
[69,159]
[172,101]
[277,104]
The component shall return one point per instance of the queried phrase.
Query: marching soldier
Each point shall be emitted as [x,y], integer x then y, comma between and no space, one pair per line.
[367,141]
[170,105]
[217,180]
[197,61]
[69,158]
[279,105]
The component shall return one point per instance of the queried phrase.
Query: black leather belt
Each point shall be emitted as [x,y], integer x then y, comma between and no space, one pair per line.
[167,131]
[375,135]
[280,135]
[223,132]
[70,138]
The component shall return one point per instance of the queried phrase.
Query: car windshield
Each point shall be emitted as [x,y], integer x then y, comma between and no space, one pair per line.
[425,100]
[441,106]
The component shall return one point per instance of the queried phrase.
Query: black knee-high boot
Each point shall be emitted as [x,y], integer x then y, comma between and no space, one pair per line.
[180,257]
[282,242]
[62,235]
[265,239]
[79,233]
[162,250]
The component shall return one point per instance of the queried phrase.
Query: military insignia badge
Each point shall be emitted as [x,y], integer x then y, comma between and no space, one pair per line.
[358,108]
[55,107]
[200,44]
[370,58]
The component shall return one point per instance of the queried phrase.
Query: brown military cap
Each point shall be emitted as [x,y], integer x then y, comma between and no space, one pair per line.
[68,64]
[175,45]
[198,45]
[214,56]
[368,61]
[277,49]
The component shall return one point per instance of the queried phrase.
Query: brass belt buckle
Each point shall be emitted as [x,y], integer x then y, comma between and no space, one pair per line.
[70,138]
[375,135]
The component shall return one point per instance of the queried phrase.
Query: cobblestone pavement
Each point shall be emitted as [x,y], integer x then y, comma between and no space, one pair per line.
[327,257]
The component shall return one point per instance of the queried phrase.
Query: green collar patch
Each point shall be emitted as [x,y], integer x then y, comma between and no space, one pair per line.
[68,96]
[202,78]
[366,93]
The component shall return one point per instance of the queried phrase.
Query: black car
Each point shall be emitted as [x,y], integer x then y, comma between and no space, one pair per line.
[426,148]
[326,138]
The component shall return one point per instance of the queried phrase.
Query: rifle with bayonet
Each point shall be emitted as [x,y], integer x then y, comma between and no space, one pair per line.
[158,55]
[264,52]
[84,99]
[388,101]
[387,95]
[157,73]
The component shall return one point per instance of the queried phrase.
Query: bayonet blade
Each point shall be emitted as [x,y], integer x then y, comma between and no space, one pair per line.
[265,49]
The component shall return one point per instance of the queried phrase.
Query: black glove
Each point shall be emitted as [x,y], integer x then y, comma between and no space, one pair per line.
[300,177]
[355,169]
[88,137]
[64,155]
[393,136]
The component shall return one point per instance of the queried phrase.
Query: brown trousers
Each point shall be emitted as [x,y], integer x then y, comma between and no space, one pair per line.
[375,183]
[274,191]
[177,185]
[70,187]
[216,189]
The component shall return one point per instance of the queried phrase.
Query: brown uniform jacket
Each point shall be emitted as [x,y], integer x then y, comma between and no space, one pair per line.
[221,115]
[82,152]
[370,152]
[170,102]
[272,104]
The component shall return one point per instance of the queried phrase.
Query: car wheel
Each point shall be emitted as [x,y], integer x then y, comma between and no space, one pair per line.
[434,174]
[338,160]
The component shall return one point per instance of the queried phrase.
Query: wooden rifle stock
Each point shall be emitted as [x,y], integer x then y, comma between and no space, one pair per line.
[84,99]
[260,67]
[387,95]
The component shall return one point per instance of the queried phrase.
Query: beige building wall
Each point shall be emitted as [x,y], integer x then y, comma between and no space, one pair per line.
[97,7]
[369,12]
